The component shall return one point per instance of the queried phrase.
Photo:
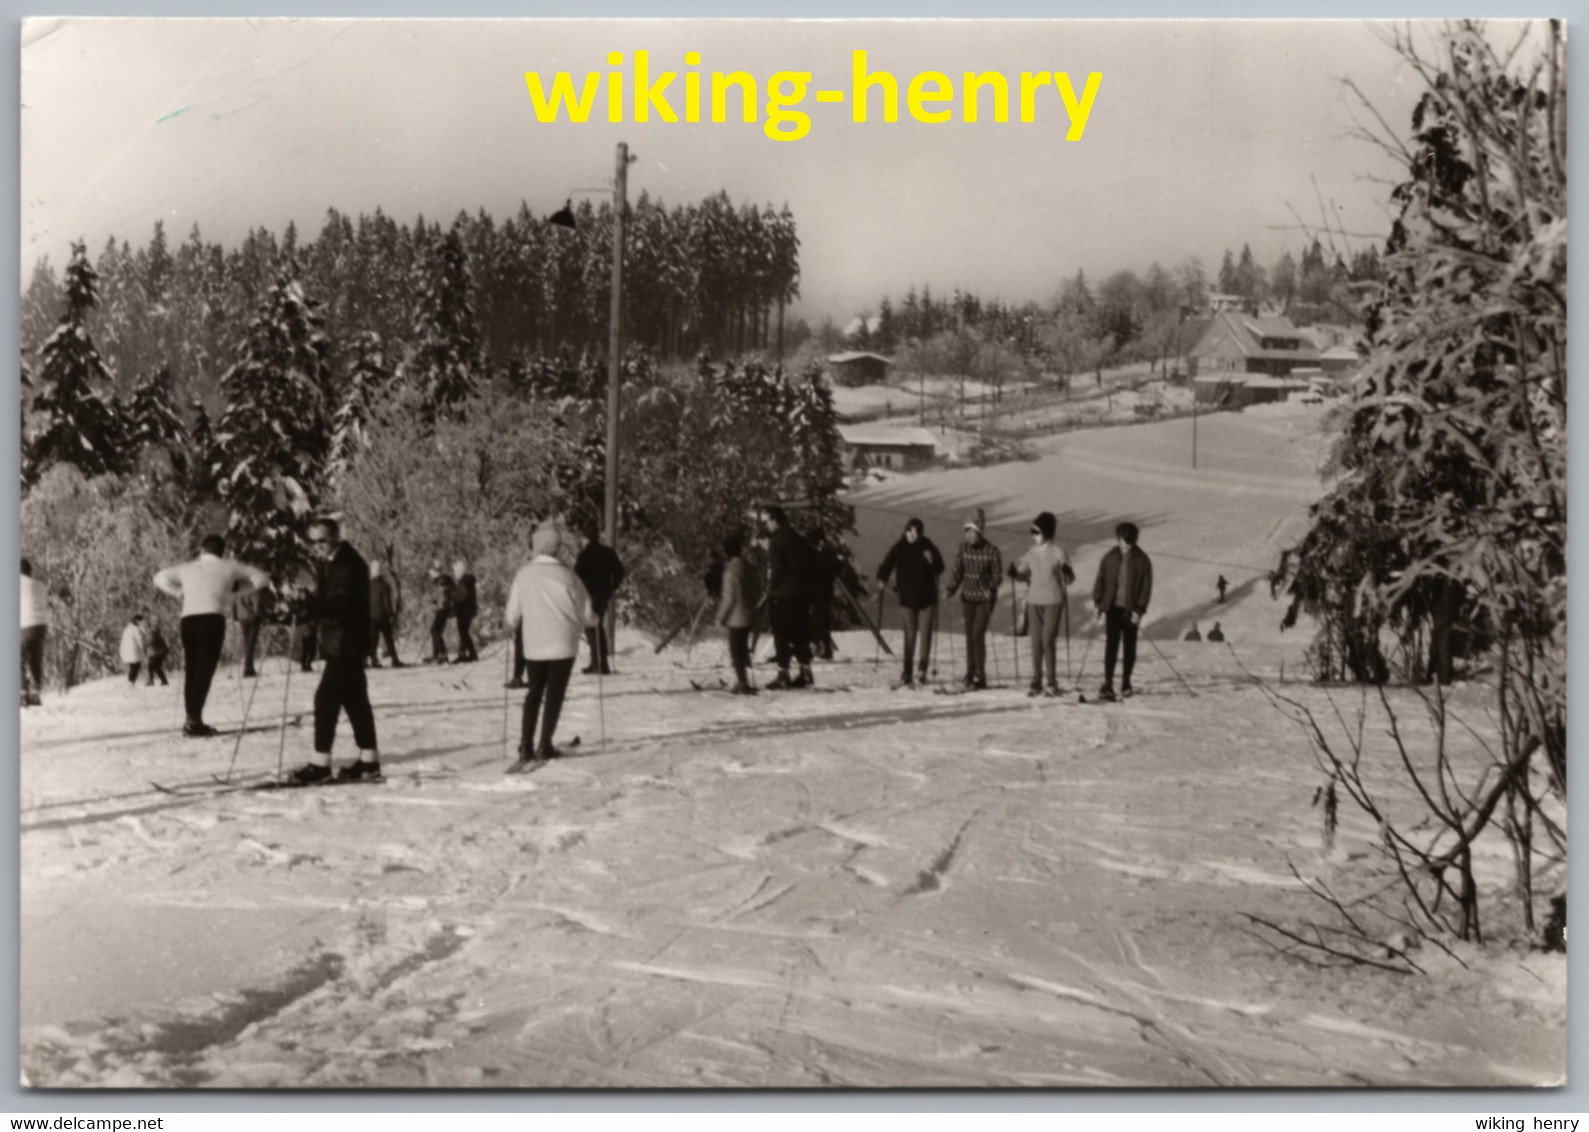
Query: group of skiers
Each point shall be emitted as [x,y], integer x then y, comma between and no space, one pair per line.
[1121,593]
[777,575]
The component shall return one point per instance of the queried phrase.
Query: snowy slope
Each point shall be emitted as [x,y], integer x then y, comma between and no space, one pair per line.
[849,887]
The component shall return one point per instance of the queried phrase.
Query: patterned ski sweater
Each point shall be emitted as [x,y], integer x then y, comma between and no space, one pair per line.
[978,570]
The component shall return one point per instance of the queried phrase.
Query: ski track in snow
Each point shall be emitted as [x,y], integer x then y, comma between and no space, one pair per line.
[877,888]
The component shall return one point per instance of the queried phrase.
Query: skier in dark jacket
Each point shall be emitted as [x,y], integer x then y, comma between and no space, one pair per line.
[445,594]
[1121,595]
[915,564]
[340,607]
[979,569]
[156,652]
[465,605]
[383,616]
[602,573]
[788,590]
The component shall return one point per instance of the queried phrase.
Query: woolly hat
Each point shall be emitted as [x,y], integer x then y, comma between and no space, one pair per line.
[1045,524]
[546,540]
[978,524]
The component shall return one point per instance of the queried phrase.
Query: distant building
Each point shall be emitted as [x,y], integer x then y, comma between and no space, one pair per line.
[1242,343]
[858,367]
[886,446]
[1218,301]
[1339,360]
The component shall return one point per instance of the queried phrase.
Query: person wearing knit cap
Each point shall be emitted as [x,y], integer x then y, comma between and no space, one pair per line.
[548,610]
[1046,569]
[915,565]
[978,570]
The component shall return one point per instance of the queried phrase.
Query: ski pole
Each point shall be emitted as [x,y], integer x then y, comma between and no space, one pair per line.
[507,692]
[1167,664]
[1064,612]
[1081,669]
[954,664]
[601,709]
[1015,629]
[993,603]
[877,651]
[281,745]
[242,728]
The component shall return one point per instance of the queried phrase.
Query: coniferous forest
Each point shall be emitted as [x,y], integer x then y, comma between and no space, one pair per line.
[441,389]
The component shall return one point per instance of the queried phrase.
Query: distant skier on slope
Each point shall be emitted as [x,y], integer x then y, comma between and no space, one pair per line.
[740,594]
[383,616]
[444,590]
[601,572]
[1046,568]
[1121,594]
[915,564]
[205,585]
[979,568]
[465,605]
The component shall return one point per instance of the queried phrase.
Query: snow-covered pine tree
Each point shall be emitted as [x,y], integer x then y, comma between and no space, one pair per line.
[817,450]
[273,436]
[153,425]
[447,356]
[368,374]
[79,427]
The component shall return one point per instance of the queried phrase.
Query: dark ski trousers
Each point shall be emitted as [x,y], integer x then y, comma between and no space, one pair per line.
[438,642]
[132,672]
[250,642]
[466,650]
[1043,627]
[203,635]
[157,667]
[343,687]
[788,616]
[739,653]
[820,626]
[596,638]
[977,614]
[548,679]
[919,624]
[33,658]
[1119,631]
[382,631]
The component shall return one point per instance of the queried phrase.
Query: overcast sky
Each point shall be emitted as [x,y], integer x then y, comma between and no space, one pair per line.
[1202,136]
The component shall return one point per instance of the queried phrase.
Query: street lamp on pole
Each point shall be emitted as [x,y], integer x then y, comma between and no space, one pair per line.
[564,217]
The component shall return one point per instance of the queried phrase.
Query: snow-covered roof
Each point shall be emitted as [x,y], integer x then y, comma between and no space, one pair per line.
[1340,354]
[1248,333]
[857,355]
[886,436]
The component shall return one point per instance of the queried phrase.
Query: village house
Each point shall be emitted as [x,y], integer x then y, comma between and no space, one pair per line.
[857,367]
[1236,342]
[899,447]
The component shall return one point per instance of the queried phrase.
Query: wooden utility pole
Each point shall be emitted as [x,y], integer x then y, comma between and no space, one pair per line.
[620,205]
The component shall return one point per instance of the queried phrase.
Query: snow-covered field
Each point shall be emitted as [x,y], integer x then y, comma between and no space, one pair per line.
[852,886]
